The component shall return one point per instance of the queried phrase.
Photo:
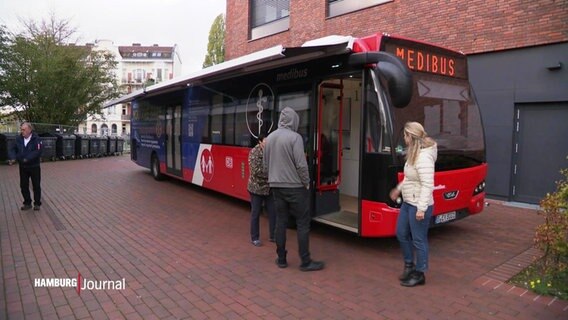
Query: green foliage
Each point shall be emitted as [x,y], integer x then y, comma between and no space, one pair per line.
[549,275]
[47,81]
[216,45]
[552,236]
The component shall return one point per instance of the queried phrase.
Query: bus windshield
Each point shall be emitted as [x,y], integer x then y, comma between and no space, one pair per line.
[449,112]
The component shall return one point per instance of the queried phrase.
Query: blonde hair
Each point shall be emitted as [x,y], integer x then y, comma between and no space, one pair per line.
[418,139]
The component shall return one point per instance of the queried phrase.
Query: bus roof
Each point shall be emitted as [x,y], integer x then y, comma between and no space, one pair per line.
[257,61]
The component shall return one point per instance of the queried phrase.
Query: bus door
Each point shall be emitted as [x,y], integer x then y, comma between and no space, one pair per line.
[328,147]
[173,140]
[337,153]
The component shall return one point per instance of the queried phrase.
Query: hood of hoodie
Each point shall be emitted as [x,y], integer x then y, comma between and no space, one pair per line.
[289,119]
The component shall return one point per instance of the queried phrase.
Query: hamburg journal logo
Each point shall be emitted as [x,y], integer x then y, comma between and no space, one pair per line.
[80,283]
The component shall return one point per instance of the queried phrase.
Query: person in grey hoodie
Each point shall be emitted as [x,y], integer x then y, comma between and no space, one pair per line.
[417,189]
[289,180]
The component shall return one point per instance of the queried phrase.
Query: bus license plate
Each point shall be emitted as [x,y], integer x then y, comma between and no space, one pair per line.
[442,218]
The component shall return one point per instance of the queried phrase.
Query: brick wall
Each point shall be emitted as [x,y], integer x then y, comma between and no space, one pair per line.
[471,26]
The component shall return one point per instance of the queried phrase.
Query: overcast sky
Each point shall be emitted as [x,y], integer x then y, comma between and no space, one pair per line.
[164,22]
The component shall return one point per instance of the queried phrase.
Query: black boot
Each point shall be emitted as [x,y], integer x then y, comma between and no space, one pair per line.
[416,278]
[408,268]
[281,260]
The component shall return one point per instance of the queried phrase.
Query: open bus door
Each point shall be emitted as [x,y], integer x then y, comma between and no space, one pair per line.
[328,148]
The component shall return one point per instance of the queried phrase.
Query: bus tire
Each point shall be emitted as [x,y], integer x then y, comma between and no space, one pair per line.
[155,169]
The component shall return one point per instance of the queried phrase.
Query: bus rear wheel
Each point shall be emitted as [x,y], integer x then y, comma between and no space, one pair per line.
[155,169]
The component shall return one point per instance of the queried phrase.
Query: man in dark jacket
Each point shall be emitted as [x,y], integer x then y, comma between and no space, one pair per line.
[289,180]
[27,151]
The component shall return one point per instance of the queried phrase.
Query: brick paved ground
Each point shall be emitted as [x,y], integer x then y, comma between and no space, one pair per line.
[185,254]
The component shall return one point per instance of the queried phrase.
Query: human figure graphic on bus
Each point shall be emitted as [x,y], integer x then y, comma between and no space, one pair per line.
[289,181]
[206,164]
[259,194]
[417,189]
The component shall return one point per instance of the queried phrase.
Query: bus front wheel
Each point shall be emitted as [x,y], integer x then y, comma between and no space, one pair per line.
[155,168]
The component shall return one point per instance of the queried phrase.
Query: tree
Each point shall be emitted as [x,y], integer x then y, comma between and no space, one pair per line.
[216,45]
[45,80]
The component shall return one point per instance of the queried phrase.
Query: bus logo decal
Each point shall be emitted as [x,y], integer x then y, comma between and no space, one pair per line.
[261,98]
[451,195]
[205,165]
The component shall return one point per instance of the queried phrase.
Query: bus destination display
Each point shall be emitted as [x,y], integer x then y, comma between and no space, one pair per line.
[424,58]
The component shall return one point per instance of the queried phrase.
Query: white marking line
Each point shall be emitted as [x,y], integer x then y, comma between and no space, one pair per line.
[551,302]
[500,284]
[513,287]
[536,298]
[522,294]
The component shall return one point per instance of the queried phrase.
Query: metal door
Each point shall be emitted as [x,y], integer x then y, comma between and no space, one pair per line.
[539,151]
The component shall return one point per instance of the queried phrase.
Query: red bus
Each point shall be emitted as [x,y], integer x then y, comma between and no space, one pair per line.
[353,96]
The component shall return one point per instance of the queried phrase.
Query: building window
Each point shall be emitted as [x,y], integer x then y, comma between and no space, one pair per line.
[339,7]
[139,75]
[104,130]
[114,128]
[94,129]
[268,17]
[123,128]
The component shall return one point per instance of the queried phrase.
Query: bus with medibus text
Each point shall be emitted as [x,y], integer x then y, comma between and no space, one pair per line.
[353,96]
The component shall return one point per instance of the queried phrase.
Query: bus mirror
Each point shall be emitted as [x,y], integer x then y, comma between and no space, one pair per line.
[397,74]
[399,82]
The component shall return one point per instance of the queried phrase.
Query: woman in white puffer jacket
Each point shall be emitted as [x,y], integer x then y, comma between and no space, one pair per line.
[418,203]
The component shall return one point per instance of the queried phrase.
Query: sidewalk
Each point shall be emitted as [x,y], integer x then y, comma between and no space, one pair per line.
[184,253]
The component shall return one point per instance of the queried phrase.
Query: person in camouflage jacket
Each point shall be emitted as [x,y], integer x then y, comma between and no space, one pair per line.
[259,193]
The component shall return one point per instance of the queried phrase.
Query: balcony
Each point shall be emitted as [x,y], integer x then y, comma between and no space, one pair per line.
[125,117]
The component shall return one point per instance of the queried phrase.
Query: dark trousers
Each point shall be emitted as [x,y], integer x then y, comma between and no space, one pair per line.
[292,202]
[256,202]
[35,174]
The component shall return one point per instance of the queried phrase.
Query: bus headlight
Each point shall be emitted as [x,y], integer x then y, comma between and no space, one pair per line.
[479,188]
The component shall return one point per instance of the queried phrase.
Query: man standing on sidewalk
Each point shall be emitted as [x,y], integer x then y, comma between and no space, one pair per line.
[27,151]
[289,181]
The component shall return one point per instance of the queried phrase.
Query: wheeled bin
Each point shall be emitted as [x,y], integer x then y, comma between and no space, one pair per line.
[119,145]
[104,146]
[111,146]
[82,146]
[49,148]
[94,147]
[64,145]
[7,140]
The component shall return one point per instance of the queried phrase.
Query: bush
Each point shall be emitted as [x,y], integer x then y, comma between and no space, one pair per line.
[549,275]
[552,236]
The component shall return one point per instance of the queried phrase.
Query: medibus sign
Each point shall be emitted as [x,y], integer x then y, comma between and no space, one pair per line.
[424,58]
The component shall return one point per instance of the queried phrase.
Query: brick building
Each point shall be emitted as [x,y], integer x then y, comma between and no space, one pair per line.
[517,64]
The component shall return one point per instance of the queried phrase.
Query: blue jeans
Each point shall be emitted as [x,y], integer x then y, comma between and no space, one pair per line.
[413,234]
[256,202]
[295,202]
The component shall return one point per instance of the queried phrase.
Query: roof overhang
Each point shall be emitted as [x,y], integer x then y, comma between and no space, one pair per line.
[262,60]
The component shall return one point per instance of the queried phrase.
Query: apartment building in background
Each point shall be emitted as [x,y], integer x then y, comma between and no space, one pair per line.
[518,64]
[138,66]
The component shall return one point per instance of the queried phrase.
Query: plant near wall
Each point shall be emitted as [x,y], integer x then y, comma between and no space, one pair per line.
[552,238]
